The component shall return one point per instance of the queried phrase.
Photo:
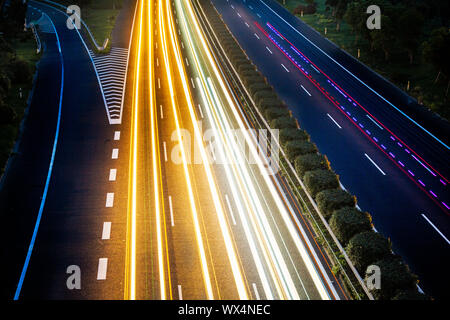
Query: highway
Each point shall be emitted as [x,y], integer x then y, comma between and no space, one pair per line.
[397,168]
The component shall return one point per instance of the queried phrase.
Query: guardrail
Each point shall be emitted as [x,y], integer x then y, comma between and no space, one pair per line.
[290,172]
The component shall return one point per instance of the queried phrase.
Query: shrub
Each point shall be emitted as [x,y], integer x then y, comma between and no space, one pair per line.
[318,180]
[346,222]
[365,248]
[295,148]
[284,122]
[308,9]
[7,114]
[395,276]
[274,113]
[258,86]
[334,199]
[269,103]
[309,162]
[263,95]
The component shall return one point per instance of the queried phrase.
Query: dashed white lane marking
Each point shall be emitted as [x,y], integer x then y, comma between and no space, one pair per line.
[157,62]
[112,174]
[269,50]
[335,122]
[162,112]
[165,150]
[117,135]
[259,16]
[106,233]
[435,228]
[247,25]
[187,62]
[156,45]
[159,83]
[373,162]
[182,44]
[172,222]
[180,294]
[370,118]
[200,109]
[231,210]
[309,94]
[212,151]
[102,267]
[287,70]
[193,84]
[256,36]
[256,291]
[115,154]
[239,15]
[109,199]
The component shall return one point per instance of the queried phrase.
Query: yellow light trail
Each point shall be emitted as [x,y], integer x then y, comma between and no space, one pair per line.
[130,260]
[282,209]
[204,264]
[157,183]
[231,251]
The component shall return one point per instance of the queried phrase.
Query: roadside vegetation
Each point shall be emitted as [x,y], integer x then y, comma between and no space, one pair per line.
[17,65]
[411,50]
[352,227]
[99,15]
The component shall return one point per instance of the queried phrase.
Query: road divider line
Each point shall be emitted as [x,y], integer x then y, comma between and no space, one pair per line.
[370,118]
[231,210]
[112,174]
[109,199]
[309,94]
[255,288]
[165,151]
[106,233]
[335,122]
[102,268]
[171,211]
[435,228]
[376,166]
[180,293]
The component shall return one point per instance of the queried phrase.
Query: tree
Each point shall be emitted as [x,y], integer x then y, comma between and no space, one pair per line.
[283,122]
[410,28]
[395,276]
[355,18]
[436,50]
[346,222]
[365,248]
[291,134]
[384,38]
[410,295]
[274,113]
[334,199]
[318,180]
[341,8]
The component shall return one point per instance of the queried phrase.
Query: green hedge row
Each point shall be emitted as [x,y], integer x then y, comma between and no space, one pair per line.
[352,227]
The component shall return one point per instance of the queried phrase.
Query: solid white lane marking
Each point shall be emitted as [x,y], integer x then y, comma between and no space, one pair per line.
[334,121]
[109,199]
[117,135]
[106,234]
[172,222]
[269,50]
[102,267]
[112,174]
[435,228]
[309,94]
[180,294]
[373,162]
[162,112]
[115,154]
[374,122]
[256,291]
[165,151]
[287,70]
[229,208]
